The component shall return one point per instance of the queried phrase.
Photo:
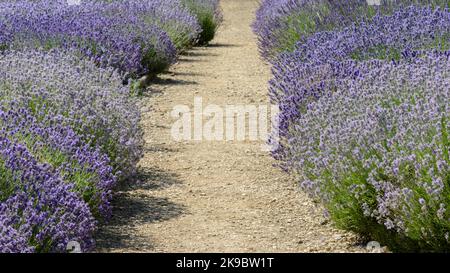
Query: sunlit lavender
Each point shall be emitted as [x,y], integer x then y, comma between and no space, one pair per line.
[70,119]
[280,24]
[97,105]
[379,147]
[364,99]
[309,72]
[130,43]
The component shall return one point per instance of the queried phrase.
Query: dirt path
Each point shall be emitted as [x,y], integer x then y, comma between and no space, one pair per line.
[215,196]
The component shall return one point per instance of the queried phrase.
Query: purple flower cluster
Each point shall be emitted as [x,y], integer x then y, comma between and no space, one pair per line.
[61,148]
[209,16]
[379,145]
[280,24]
[69,130]
[413,28]
[170,15]
[5,37]
[273,24]
[364,120]
[97,106]
[39,212]
[311,70]
[131,43]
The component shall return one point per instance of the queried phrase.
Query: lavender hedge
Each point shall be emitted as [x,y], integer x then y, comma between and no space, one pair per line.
[310,71]
[61,148]
[170,15]
[39,212]
[376,153]
[364,123]
[208,15]
[143,40]
[280,24]
[69,130]
[177,20]
[131,43]
[97,106]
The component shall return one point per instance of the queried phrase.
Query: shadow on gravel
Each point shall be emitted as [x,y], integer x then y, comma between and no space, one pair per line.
[223,45]
[200,54]
[190,59]
[190,74]
[154,178]
[169,81]
[158,85]
[132,208]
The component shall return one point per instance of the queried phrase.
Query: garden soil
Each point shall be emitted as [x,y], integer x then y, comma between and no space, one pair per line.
[215,196]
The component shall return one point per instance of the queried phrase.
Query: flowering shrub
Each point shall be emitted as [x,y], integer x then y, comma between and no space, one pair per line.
[364,116]
[69,128]
[170,15]
[280,24]
[61,123]
[310,71]
[209,16]
[95,103]
[39,212]
[5,37]
[130,43]
[376,152]
[277,22]
[60,147]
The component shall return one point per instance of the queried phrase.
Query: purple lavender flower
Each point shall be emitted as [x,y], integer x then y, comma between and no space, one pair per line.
[131,43]
[280,24]
[396,116]
[60,147]
[170,15]
[39,212]
[316,66]
[93,101]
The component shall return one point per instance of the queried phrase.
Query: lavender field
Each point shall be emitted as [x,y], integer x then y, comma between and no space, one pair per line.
[89,91]
[364,98]
[70,131]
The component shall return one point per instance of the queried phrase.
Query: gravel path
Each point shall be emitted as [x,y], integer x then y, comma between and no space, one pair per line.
[215,196]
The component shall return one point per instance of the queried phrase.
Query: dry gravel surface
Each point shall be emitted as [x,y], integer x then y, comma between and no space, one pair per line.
[215,196]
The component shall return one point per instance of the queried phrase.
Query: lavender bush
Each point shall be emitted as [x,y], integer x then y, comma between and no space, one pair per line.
[39,212]
[310,71]
[130,43]
[376,152]
[61,148]
[280,24]
[95,103]
[208,15]
[171,16]
[69,129]
[364,125]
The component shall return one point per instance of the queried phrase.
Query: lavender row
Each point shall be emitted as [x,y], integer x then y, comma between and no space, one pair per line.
[311,70]
[69,128]
[280,24]
[376,153]
[136,37]
[39,211]
[78,133]
[96,103]
[364,117]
